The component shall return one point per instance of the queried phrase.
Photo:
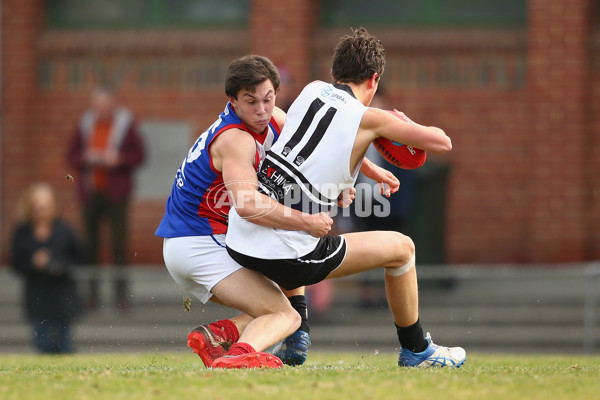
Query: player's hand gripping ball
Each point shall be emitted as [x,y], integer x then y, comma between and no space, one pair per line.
[398,154]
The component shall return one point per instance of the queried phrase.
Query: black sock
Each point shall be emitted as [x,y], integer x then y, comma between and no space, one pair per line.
[299,304]
[411,337]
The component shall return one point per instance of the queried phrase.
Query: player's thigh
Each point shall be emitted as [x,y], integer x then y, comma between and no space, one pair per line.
[375,249]
[251,292]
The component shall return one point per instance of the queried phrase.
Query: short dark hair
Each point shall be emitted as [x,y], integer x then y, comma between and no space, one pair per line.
[357,57]
[247,72]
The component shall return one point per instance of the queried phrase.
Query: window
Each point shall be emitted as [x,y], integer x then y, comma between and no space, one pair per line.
[426,13]
[83,14]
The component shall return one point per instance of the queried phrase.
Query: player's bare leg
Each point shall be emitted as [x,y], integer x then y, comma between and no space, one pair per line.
[403,297]
[293,350]
[273,318]
[214,340]
[377,249]
[396,253]
[242,320]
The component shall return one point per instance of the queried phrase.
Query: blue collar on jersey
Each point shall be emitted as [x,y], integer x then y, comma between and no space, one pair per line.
[345,88]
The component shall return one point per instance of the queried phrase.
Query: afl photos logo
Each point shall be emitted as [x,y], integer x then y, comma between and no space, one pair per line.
[220,201]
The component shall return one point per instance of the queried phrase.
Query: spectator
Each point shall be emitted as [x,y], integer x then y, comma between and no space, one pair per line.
[45,252]
[106,148]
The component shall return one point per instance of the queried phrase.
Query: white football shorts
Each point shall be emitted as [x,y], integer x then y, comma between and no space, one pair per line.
[198,263]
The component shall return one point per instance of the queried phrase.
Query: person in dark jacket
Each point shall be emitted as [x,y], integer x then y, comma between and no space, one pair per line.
[105,149]
[45,253]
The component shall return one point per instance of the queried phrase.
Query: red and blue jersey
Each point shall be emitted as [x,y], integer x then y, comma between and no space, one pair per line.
[199,203]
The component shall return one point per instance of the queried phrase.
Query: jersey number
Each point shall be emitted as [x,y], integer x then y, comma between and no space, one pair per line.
[315,136]
[194,153]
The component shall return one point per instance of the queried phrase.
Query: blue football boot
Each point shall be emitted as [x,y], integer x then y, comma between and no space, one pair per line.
[433,356]
[294,349]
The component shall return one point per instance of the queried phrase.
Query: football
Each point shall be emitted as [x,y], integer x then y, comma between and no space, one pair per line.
[398,154]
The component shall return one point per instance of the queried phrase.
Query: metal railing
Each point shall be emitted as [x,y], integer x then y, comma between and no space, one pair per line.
[589,273]
[580,281]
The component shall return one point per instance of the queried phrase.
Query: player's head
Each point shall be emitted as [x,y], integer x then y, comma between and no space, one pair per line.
[357,57]
[251,83]
[246,73]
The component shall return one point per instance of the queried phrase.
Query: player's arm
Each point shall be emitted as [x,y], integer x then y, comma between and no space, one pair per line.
[429,138]
[235,152]
[388,183]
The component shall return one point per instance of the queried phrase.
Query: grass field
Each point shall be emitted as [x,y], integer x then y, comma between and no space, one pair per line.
[324,376]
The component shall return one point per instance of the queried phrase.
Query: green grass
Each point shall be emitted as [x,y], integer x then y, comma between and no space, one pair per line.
[324,376]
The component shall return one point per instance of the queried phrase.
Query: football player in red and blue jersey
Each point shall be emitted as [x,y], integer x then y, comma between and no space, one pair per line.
[195,223]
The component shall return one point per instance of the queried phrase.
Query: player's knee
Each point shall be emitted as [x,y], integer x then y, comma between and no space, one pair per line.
[404,255]
[294,319]
[404,249]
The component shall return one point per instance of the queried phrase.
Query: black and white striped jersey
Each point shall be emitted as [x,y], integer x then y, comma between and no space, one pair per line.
[306,169]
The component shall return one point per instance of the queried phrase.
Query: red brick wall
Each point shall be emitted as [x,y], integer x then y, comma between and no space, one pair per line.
[38,118]
[21,25]
[592,154]
[283,31]
[512,196]
[559,121]
[486,208]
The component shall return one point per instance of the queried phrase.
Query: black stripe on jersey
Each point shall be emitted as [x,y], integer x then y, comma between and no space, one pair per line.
[314,107]
[282,187]
[315,137]
[298,175]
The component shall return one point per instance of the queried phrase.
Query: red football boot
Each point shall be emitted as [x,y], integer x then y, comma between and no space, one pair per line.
[257,359]
[208,345]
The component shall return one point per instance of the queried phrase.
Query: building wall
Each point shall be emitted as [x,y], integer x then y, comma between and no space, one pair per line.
[592,152]
[21,24]
[559,108]
[521,106]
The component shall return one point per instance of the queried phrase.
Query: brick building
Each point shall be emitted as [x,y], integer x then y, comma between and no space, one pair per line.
[514,83]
